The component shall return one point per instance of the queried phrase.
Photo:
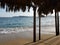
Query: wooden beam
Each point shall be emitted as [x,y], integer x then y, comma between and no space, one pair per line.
[34,29]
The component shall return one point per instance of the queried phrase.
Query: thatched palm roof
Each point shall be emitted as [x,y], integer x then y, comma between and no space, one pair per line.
[14,5]
[45,6]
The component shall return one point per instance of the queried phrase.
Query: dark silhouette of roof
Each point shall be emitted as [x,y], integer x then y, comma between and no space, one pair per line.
[44,6]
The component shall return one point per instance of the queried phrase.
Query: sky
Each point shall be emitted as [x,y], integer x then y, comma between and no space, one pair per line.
[3,13]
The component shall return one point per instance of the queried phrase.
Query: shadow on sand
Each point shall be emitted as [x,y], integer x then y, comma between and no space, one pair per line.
[39,41]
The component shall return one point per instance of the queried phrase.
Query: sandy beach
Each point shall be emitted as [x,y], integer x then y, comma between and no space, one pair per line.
[21,38]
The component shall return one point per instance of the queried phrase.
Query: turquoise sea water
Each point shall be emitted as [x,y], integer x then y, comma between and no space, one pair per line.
[25,23]
[9,22]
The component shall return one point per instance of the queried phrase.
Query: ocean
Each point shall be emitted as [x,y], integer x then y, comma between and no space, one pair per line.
[9,22]
[25,23]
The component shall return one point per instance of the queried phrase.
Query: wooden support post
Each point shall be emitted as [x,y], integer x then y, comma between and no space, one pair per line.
[39,27]
[34,30]
[57,23]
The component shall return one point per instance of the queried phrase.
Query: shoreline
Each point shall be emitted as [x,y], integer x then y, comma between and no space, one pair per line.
[45,29]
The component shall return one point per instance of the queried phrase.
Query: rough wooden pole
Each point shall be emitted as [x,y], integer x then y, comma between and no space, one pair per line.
[39,27]
[34,29]
[57,23]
